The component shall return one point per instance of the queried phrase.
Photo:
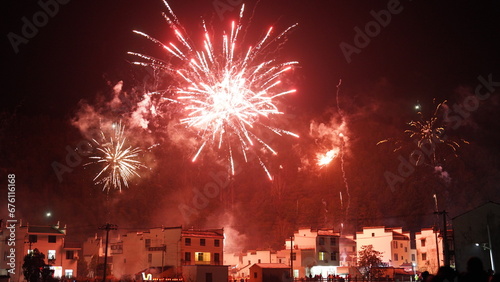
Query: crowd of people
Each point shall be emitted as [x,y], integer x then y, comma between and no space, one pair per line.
[475,273]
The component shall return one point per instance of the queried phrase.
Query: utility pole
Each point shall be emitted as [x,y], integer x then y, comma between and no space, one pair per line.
[107,227]
[446,252]
[291,257]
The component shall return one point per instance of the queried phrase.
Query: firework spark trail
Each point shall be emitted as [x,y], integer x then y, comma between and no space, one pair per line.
[226,91]
[342,152]
[119,162]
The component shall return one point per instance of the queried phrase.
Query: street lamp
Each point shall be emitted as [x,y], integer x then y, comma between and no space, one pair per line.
[485,247]
[414,270]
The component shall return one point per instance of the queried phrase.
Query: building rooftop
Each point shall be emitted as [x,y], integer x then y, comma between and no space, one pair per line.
[271,265]
[51,230]
[214,233]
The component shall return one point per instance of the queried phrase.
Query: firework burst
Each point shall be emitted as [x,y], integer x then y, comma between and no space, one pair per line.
[119,161]
[326,158]
[429,132]
[226,90]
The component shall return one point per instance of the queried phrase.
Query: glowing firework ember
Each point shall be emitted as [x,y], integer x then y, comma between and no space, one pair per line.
[324,159]
[226,91]
[119,162]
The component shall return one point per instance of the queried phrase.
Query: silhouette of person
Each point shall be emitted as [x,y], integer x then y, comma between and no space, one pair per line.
[475,271]
[445,273]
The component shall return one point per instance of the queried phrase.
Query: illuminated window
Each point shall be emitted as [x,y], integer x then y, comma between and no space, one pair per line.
[51,254]
[52,239]
[321,256]
[68,273]
[187,241]
[203,258]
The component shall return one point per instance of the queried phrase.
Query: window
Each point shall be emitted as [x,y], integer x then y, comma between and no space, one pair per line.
[187,256]
[187,241]
[396,257]
[70,254]
[258,261]
[52,239]
[406,249]
[51,254]
[216,257]
[33,238]
[333,241]
[373,234]
[279,261]
[202,258]
[150,258]
[322,256]
[422,242]
[401,245]
[424,256]
[294,256]
[413,257]
[147,243]
[68,273]
[395,244]
[333,256]
[321,240]
[216,242]
[202,242]
[255,275]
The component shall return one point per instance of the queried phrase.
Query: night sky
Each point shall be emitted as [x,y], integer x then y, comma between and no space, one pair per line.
[422,53]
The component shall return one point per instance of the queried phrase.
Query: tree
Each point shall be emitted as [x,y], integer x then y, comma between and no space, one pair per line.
[83,268]
[34,267]
[369,259]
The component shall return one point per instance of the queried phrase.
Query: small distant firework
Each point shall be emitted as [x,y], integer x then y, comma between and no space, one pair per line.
[226,91]
[428,132]
[119,162]
[326,158]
